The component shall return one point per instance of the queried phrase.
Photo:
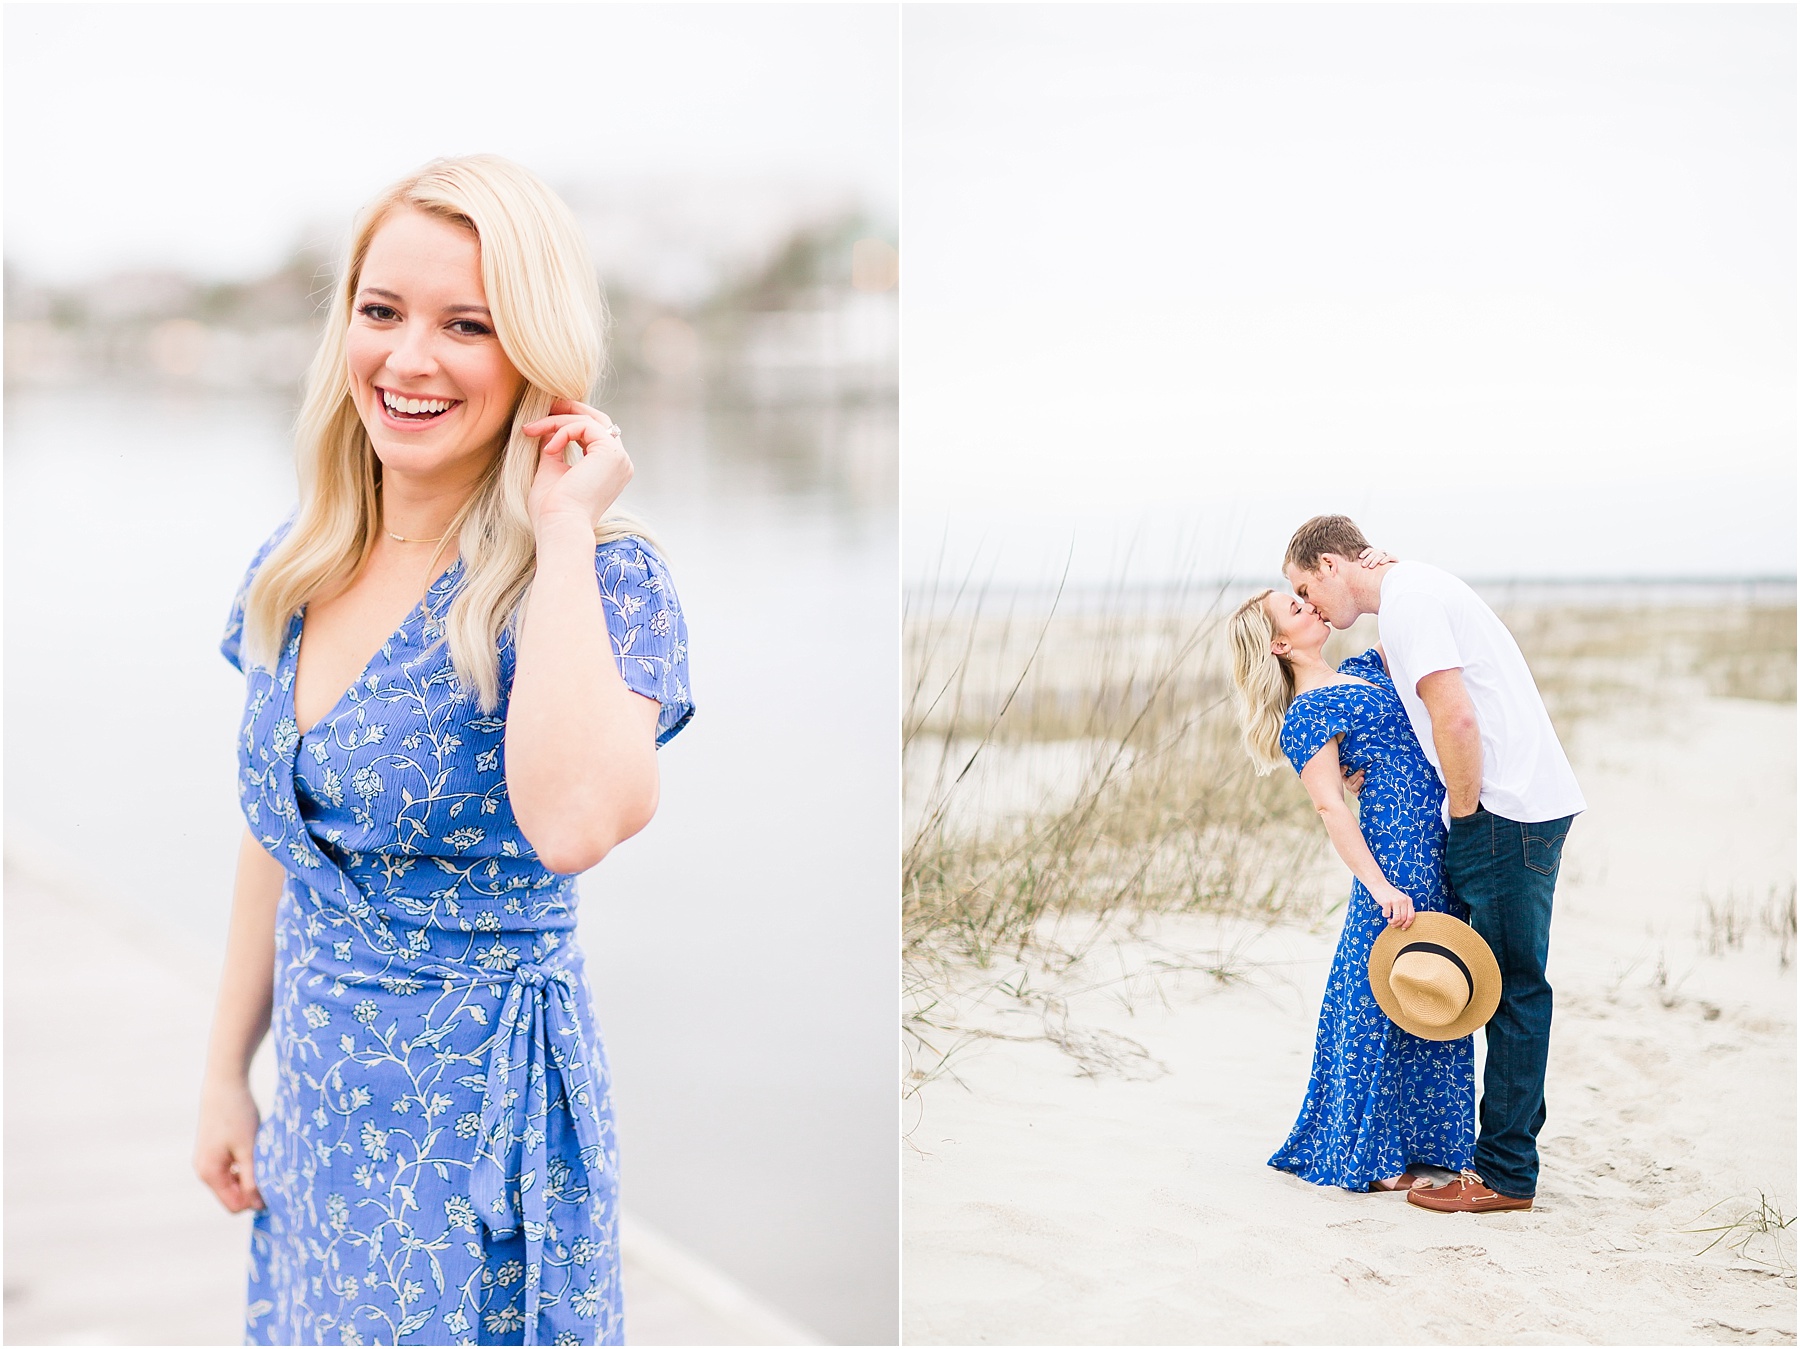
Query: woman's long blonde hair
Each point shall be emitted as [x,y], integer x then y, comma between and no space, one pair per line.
[1263,680]
[550,321]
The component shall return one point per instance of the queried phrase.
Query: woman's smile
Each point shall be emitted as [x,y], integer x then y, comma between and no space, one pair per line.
[411,412]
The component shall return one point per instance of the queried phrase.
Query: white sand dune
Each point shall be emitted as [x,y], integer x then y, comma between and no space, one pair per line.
[1043,1206]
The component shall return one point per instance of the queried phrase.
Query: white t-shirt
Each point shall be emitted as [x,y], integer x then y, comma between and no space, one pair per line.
[1431,621]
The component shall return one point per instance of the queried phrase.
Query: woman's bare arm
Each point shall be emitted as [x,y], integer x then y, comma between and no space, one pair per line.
[228,1114]
[580,745]
[1323,780]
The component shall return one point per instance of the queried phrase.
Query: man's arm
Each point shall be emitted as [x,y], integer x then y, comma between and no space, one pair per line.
[1457,736]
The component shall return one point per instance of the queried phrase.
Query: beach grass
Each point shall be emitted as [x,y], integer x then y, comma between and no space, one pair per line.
[1080,761]
[1590,660]
[1729,921]
[1071,768]
[1761,1235]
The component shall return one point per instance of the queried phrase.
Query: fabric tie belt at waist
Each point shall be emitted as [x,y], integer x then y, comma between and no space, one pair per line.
[538,1034]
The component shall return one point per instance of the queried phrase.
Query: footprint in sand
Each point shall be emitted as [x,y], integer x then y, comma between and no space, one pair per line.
[1724,1332]
[1363,1226]
[1355,1273]
[1455,1254]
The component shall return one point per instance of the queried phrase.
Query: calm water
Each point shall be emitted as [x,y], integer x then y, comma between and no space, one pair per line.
[741,949]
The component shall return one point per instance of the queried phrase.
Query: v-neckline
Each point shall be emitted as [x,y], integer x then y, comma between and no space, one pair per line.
[293,684]
[1352,682]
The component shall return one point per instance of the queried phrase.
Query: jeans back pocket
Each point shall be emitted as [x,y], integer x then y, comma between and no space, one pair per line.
[1543,845]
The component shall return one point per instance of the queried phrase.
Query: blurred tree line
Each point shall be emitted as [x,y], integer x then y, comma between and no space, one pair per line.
[814,320]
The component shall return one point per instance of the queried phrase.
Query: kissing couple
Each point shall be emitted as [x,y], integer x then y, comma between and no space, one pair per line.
[1465,798]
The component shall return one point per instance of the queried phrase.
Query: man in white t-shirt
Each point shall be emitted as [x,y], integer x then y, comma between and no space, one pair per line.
[1510,796]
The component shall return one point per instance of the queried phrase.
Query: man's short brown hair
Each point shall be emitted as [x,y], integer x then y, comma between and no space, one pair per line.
[1320,535]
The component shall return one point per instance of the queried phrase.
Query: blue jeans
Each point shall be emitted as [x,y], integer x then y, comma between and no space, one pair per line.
[1505,871]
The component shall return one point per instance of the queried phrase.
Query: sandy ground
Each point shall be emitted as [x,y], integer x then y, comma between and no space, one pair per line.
[1046,1206]
[109,1237]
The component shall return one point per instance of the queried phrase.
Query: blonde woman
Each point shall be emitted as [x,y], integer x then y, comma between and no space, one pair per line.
[459,667]
[1381,1100]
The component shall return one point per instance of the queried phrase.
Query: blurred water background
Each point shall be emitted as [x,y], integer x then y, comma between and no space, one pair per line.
[741,948]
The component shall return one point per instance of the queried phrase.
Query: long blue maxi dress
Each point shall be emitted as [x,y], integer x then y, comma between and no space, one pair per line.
[1380,1098]
[439,1165]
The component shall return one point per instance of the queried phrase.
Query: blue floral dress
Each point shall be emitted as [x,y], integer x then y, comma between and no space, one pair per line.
[439,1165]
[1380,1098]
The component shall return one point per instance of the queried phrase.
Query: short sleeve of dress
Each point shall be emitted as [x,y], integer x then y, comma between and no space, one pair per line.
[1311,720]
[1366,666]
[648,630]
[231,644]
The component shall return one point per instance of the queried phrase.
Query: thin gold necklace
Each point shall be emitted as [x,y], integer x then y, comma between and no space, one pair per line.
[400,538]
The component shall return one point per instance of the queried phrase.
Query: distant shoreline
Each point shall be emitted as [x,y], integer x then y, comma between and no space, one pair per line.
[1503,593]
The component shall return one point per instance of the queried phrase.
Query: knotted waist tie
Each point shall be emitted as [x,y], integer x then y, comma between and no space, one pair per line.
[538,1034]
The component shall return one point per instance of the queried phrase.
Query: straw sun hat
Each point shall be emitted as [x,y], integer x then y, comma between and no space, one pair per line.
[1437,978]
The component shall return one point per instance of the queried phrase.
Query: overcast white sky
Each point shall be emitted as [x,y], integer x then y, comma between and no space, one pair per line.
[207,135]
[1512,284]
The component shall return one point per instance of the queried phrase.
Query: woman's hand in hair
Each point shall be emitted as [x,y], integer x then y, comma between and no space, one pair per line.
[589,489]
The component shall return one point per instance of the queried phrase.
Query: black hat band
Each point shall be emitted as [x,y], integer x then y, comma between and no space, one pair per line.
[1432,948]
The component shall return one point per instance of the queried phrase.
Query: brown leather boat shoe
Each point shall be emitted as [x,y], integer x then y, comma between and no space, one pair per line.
[1466,1194]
